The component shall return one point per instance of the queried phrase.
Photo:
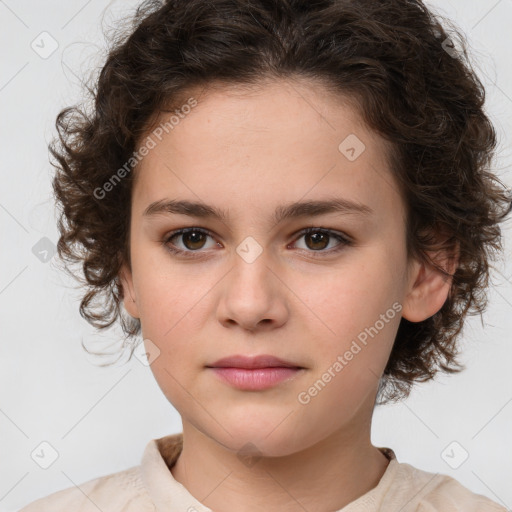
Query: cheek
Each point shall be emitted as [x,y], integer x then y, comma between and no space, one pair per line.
[344,302]
[167,298]
[177,365]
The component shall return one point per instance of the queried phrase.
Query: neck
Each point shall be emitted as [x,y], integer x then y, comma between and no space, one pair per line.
[323,477]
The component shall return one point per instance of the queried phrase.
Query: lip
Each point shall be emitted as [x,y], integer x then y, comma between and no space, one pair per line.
[251,362]
[254,373]
[256,379]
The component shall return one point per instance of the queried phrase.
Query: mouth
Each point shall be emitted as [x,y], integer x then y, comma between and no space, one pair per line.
[254,373]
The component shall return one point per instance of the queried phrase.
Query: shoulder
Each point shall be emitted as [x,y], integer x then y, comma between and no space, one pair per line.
[435,492]
[123,491]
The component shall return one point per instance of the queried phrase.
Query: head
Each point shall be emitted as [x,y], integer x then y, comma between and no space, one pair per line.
[248,108]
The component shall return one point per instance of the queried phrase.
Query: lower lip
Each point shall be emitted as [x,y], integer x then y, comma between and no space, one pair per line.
[256,379]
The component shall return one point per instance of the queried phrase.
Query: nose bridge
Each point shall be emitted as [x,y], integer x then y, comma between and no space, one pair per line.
[251,273]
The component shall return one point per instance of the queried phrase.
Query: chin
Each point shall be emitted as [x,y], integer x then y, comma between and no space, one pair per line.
[253,440]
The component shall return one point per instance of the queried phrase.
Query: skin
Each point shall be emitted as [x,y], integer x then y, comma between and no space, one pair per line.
[249,152]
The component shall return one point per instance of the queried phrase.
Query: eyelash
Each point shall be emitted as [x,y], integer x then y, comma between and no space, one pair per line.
[344,241]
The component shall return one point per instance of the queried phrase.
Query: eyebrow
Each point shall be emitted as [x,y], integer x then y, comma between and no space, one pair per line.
[289,211]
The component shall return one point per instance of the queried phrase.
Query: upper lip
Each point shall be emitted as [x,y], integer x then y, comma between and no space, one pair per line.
[260,361]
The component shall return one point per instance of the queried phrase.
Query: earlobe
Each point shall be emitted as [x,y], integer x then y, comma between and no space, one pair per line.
[129,298]
[428,287]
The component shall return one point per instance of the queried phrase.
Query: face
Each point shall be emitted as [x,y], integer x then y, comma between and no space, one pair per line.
[251,283]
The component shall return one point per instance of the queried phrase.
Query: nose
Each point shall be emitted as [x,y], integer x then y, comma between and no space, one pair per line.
[252,296]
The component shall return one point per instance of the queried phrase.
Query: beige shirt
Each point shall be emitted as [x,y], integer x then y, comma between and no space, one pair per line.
[151,487]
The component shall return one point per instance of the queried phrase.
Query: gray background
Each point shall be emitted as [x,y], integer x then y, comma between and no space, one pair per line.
[100,419]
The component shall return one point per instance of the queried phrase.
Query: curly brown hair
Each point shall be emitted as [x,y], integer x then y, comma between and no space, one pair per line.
[412,86]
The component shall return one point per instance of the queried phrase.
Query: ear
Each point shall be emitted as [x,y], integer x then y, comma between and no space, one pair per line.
[129,297]
[427,287]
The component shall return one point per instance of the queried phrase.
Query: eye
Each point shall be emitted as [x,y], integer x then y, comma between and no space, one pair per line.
[317,239]
[193,240]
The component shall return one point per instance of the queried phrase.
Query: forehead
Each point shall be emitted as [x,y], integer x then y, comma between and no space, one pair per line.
[250,150]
